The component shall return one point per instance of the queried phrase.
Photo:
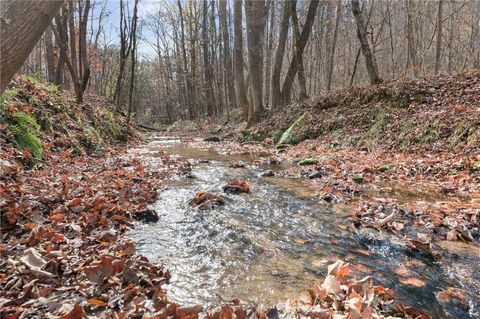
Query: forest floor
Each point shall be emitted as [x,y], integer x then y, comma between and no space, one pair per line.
[70,190]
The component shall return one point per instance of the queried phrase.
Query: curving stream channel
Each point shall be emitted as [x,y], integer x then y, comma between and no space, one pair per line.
[274,243]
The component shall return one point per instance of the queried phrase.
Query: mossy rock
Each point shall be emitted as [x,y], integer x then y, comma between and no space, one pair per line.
[308,161]
[292,135]
[357,179]
[384,168]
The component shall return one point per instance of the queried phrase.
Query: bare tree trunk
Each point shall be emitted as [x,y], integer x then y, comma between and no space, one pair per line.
[22,24]
[73,47]
[49,54]
[438,51]
[227,58]
[240,93]
[298,54]
[370,62]
[256,14]
[185,63]
[301,72]
[61,23]
[451,33]
[268,67]
[207,66]
[132,62]
[411,49]
[60,35]
[475,35]
[125,47]
[85,64]
[280,52]
[331,58]
[83,67]
[392,46]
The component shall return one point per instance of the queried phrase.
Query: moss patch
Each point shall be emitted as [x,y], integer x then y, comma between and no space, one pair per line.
[24,129]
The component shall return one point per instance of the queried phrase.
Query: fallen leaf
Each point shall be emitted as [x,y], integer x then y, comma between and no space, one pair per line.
[74,202]
[99,271]
[57,217]
[76,313]
[35,262]
[450,293]
[412,281]
[97,302]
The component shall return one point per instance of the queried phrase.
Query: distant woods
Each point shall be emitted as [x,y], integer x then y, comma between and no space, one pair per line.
[178,59]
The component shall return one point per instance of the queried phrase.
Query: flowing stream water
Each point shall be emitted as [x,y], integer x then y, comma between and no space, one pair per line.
[276,242]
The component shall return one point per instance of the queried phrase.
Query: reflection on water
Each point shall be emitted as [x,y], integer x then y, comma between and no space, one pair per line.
[273,243]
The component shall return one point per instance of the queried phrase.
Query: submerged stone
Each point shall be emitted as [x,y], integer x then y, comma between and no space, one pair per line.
[211,139]
[267,174]
[146,216]
[316,174]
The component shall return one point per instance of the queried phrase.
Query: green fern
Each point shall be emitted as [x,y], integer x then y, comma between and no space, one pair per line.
[8,95]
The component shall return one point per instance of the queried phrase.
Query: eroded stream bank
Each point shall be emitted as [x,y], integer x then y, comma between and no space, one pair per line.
[275,242]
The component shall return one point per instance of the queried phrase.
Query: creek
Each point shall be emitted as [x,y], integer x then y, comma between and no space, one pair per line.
[276,242]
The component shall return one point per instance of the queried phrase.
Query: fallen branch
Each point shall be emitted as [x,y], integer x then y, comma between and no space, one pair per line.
[146,127]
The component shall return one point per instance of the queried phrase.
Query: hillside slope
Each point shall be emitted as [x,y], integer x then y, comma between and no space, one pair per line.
[36,120]
[438,113]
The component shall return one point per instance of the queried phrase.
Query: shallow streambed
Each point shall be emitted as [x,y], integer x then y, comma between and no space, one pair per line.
[275,242]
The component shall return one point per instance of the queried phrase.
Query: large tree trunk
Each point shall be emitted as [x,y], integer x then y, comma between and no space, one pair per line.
[240,93]
[256,14]
[371,64]
[22,24]
[438,51]
[277,62]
